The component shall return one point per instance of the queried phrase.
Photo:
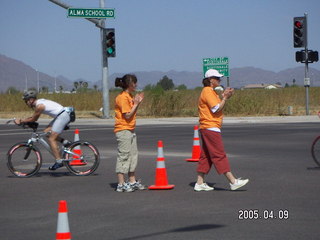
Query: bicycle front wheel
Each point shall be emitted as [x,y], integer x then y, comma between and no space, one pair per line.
[24,160]
[315,150]
[82,158]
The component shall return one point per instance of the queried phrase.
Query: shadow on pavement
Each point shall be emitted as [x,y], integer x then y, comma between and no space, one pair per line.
[199,227]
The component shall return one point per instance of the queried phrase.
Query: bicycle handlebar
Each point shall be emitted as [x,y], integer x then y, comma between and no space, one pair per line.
[32,125]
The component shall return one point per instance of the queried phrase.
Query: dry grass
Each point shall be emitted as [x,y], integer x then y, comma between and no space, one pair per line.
[255,102]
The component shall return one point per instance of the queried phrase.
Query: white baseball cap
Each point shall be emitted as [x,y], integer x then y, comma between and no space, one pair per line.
[212,73]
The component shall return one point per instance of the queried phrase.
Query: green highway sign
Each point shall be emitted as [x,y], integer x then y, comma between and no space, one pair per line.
[220,63]
[91,12]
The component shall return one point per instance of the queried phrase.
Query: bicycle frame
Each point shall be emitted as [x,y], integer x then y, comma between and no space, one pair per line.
[39,138]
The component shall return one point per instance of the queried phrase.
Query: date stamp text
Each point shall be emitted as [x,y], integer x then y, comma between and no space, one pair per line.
[256,214]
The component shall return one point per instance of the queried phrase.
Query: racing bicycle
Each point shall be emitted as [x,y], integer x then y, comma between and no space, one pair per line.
[81,158]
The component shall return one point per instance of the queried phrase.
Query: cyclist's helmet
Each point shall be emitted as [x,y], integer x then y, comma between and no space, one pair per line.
[29,94]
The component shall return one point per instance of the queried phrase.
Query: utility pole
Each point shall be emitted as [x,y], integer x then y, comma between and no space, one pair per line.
[105,89]
[38,83]
[55,84]
[26,78]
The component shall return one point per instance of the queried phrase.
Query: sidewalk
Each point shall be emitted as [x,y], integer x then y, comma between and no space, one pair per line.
[233,120]
[194,120]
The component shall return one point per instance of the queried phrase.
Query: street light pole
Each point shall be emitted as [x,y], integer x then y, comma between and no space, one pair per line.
[38,84]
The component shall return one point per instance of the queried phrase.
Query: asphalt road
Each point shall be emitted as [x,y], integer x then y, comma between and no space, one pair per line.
[284,182]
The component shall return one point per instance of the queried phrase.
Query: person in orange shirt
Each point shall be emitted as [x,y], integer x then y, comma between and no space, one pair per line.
[126,106]
[210,108]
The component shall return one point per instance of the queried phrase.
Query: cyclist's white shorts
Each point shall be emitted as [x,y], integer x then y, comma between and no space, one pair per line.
[59,123]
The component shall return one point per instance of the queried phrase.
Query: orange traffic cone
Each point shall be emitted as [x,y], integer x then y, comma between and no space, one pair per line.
[63,232]
[77,150]
[196,146]
[161,172]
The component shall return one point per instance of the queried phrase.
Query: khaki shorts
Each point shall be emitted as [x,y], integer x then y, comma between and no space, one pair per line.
[127,158]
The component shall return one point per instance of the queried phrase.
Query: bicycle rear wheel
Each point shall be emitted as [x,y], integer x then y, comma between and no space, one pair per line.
[82,158]
[24,160]
[315,150]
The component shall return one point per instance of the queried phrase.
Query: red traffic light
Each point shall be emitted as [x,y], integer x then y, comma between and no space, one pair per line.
[299,32]
[298,24]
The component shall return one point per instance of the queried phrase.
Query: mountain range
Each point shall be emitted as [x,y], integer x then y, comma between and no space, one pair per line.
[14,73]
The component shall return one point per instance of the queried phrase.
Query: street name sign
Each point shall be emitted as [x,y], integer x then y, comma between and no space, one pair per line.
[91,12]
[219,63]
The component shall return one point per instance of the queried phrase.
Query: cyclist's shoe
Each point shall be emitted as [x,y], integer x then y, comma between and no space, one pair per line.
[55,166]
[124,188]
[138,186]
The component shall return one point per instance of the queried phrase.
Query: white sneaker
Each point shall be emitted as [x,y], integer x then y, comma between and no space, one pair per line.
[137,185]
[202,187]
[238,183]
[124,188]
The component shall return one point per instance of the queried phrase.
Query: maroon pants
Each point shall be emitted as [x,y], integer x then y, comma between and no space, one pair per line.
[212,152]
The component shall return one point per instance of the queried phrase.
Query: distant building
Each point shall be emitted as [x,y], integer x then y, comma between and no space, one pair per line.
[262,86]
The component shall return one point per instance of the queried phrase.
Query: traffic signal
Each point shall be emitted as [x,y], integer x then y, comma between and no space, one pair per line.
[110,42]
[313,56]
[299,32]
[301,56]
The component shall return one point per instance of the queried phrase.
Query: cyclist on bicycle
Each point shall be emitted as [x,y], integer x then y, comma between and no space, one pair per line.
[62,117]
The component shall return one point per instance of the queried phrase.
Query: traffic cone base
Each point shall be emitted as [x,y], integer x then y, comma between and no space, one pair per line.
[192,159]
[155,187]
[63,236]
[77,163]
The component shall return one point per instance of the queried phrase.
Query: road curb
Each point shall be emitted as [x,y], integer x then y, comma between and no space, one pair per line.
[194,120]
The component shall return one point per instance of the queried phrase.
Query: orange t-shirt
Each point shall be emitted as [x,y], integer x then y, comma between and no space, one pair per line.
[207,100]
[124,104]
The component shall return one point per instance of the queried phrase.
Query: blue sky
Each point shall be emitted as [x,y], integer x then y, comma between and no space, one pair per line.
[157,35]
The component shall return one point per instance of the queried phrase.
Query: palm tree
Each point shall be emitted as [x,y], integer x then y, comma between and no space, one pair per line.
[85,84]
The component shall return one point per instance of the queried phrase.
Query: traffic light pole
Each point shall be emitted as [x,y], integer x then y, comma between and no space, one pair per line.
[306,74]
[105,88]
[306,69]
